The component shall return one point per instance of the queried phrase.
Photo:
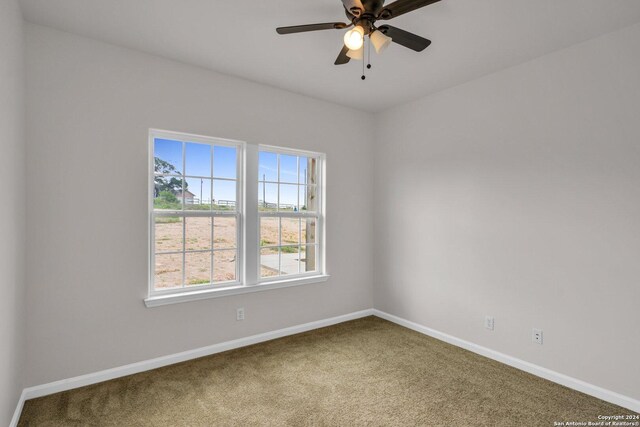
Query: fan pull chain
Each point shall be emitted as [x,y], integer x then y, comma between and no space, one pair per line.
[363,76]
[366,56]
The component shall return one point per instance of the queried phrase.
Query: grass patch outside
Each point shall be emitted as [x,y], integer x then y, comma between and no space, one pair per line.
[168,219]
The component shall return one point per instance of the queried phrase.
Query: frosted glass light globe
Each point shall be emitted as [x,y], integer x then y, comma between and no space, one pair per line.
[358,55]
[354,39]
[380,41]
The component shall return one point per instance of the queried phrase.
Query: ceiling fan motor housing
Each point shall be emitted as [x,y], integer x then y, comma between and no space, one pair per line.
[366,18]
[373,6]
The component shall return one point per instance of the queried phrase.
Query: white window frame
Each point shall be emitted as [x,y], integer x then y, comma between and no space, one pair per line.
[248,224]
[238,213]
[319,214]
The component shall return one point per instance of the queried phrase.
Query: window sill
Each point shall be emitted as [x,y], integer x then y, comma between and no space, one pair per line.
[157,301]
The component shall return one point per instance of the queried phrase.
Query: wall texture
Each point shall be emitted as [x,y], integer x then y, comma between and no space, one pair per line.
[518,196]
[90,106]
[12,214]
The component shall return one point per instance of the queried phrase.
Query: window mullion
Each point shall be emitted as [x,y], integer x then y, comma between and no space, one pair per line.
[213,220]
[298,209]
[184,218]
[251,228]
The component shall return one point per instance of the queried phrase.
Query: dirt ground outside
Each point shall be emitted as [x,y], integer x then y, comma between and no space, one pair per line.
[206,246]
[201,250]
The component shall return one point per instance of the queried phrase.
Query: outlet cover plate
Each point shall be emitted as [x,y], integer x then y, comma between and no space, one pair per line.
[537,336]
[489,323]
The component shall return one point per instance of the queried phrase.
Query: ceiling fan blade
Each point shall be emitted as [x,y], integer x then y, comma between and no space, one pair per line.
[405,38]
[311,27]
[400,7]
[342,57]
[352,5]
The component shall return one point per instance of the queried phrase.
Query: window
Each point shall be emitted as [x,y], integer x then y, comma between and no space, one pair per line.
[195,214]
[207,239]
[289,206]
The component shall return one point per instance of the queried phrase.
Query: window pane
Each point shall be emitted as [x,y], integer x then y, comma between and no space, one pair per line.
[168,271]
[308,234]
[269,262]
[309,259]
[288,197]
[198,268]
[302,179]
[268,166]
[225,162]
[168,156]
[166,192]
[198,159]
[224,266]
[308,200]
[224,195]
[269,231]
[197,195]
[224,233]
[289,260]
[267,197]
[198,233]
[288,169]
[302,198]
[168,234]
[290,231]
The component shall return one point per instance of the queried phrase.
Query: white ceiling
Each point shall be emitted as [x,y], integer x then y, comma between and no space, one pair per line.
[471,38]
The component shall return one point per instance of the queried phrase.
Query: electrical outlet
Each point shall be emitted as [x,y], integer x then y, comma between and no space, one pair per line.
[240,313]
[489,322]
[537,336]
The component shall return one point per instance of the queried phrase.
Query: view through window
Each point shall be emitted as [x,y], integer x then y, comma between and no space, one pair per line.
[196,213]
[289,210]
[198,219]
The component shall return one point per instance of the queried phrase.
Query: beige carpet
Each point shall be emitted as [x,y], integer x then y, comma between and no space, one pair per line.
[365,372]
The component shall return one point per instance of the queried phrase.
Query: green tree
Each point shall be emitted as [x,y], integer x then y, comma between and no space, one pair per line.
[168,197]
[171,184]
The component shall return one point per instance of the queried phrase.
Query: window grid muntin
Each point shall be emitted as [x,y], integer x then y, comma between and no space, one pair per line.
[184,286]
[213,178]
[278,213]
[185,213]
[213,283]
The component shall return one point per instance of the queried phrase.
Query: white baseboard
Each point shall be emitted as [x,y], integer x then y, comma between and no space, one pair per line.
[18,411]
[556,377]
[147,365]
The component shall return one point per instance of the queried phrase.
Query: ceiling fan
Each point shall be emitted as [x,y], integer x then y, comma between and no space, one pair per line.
[363,15]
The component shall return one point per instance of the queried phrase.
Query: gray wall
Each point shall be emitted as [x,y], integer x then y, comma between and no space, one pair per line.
[12,214]
[90,106]
[518,195]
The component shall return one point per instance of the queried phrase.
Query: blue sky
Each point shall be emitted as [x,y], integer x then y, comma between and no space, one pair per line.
[268,171]
[198,163]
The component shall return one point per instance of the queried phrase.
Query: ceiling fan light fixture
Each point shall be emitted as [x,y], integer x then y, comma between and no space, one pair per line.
[354,39]
[380,41]
[363,15]
[357,54]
